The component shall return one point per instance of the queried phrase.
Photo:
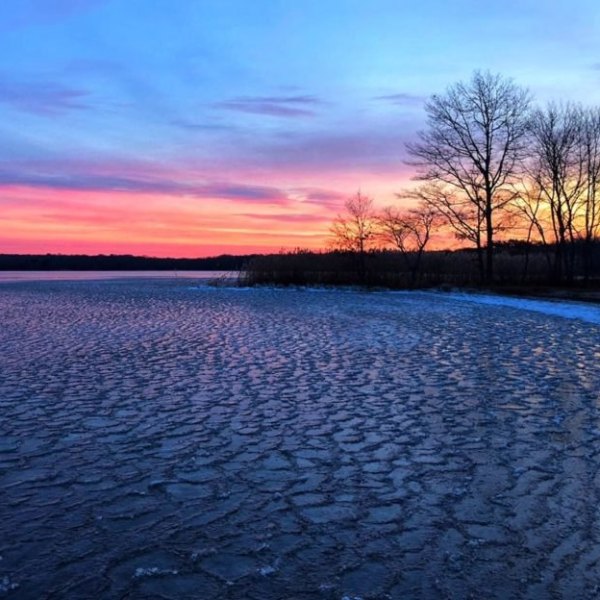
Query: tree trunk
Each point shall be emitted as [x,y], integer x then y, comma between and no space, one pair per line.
[587,258]
[480,263]
[489,250]
[558,261]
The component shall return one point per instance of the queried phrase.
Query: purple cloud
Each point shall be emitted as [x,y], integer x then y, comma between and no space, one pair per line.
[297,99]
[39,98]
[287,218]
[274,106]
[193,126]
[325,198]
[118,183]
[401,99]
[243,192]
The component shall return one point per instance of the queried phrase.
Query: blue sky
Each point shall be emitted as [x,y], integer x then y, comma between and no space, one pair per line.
[241,106]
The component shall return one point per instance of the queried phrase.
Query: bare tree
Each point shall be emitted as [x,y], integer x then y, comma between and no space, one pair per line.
[454,210]
[591,200]
[409,232]
[532,221]
[473,149]
[558,170]
[355,230]
[565,168]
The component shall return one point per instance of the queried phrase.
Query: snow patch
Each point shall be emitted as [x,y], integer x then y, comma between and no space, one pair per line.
[270,569]
[555,308]
[153,571]
[6,585]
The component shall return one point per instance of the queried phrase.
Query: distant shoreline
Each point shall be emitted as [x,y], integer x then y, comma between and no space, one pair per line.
[285,270]
[119,262]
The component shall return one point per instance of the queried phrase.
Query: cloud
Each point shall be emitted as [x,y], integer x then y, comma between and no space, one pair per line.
[325,198]
[42,98]
[302,99]
[273,106]
[118,183]
[285,218]
[194,126]
[401,99]
[243,192]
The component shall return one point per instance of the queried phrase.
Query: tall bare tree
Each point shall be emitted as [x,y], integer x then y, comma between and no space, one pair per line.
[473,148]
[565,168]
[558,171]
[591,200]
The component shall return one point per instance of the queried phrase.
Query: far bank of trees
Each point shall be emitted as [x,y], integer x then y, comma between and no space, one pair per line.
[119,262]
[491,166]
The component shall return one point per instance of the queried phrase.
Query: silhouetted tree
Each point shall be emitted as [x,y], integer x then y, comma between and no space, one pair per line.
[409,232]
[558,170]
[455,210]
[530,209]
[564,168]
[472,149]
[356,229]
[591,200]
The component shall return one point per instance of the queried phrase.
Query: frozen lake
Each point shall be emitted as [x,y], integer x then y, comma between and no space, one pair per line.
[163,439]
[11,276]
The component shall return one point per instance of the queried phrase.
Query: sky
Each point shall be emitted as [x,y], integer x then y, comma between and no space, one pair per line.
[202,127]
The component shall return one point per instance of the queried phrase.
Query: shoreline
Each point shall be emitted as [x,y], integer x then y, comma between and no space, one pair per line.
[223,279]
[588,296]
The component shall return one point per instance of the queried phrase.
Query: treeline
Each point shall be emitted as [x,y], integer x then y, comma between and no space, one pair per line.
[118,262]
[490,166]
[518,264]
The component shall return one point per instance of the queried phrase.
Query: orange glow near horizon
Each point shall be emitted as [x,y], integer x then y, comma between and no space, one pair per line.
[40,220]
[64,221]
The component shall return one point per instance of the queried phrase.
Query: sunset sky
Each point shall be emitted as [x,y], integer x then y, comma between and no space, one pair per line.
[198,127]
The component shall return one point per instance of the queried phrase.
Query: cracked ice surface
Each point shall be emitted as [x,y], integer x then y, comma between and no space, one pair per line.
[158,441]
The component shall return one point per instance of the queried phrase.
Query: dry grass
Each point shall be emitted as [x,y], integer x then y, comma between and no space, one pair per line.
[517,267]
